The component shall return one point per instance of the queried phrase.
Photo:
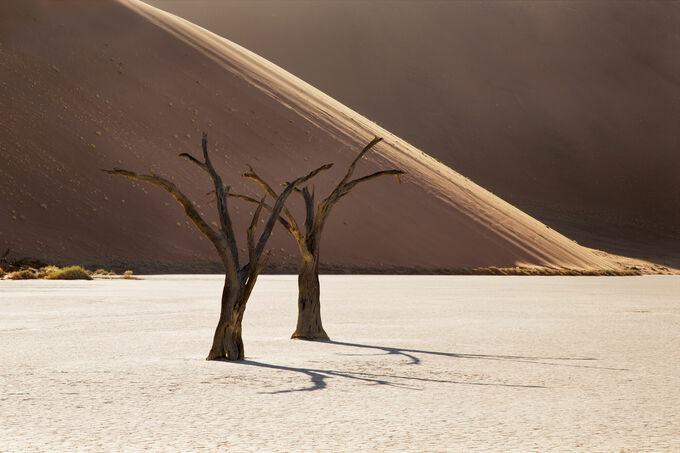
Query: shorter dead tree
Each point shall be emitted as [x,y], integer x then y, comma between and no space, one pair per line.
[309,325]
[239,280]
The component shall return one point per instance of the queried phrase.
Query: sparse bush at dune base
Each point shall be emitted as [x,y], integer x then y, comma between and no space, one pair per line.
[69,273]
[24,274]
[103,272]
[47,270]
[59,273]
[540,270]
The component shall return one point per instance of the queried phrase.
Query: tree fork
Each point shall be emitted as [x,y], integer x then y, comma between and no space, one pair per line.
[309,325]
[239,281]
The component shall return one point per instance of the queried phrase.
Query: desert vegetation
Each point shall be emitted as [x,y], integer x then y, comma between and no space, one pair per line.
[47,273]
[69,273]
[239,279]
[23,274]
[308,239]
[103,272]
[541,270]
[34,269]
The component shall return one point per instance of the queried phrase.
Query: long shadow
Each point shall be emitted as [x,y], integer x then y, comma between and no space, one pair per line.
[414,360]
[318,378]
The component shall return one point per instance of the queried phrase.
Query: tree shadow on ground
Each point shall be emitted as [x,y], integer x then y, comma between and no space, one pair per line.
[410,354]
[318,378]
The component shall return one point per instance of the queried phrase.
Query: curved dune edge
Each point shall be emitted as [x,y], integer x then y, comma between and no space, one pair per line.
[68,72]
[550,94]
[546,246]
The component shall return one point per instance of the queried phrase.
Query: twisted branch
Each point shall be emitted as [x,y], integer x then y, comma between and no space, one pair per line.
[280,203]
[218,240]
[284,223]
[293,228]
[345,185]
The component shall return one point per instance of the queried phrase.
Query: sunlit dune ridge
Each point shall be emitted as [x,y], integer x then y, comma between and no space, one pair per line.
[120,83]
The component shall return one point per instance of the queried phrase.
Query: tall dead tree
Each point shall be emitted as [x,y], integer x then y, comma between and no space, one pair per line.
[309,325]
[239,280]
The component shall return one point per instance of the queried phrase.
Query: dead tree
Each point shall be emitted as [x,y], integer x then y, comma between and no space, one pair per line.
[239,280]
[309,325]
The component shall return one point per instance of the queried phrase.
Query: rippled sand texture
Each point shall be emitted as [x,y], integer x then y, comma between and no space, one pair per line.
[418,364]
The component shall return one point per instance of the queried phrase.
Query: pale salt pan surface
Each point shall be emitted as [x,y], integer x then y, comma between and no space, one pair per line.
[421,363]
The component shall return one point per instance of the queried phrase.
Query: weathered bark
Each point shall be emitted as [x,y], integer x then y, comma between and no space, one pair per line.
[309,325]
[227,341]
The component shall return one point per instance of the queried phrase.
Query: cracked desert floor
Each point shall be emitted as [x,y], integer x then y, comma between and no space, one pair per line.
[418,363]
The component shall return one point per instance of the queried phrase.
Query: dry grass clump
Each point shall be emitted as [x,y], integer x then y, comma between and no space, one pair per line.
[103,272]
[69,273]
[539,270]
[31,269]
[127,275]
[489,270]
[108,274]
[24,274]
[44,272]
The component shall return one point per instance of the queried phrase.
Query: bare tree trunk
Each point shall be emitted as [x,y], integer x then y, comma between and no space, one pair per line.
[309,326]
[227,341]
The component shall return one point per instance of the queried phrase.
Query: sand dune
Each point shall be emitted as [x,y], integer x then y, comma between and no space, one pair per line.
[567,110]
[89,85]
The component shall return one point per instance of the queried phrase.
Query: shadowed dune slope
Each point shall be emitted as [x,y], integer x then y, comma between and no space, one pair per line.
[88,85]
[568,110]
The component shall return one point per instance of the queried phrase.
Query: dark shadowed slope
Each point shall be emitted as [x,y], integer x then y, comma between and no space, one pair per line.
[88,85]
[568,110]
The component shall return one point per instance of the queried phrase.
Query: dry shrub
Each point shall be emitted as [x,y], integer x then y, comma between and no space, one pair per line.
[24,274]
[70,273]
[128,275]
[103,272]
[46,271]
